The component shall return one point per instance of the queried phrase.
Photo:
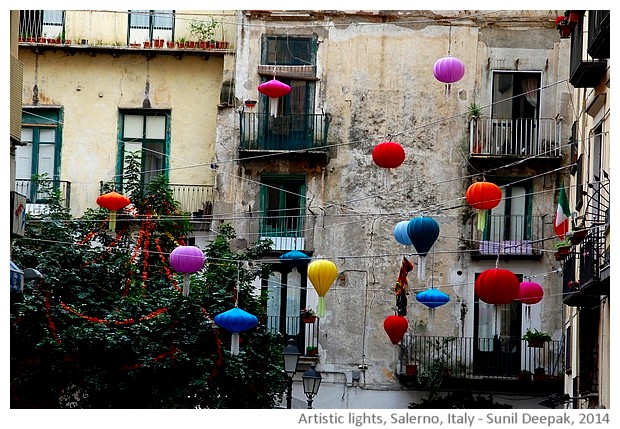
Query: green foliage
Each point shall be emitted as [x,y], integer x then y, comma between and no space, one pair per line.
[459,400]
[203,30]
[106,328]
[536,335]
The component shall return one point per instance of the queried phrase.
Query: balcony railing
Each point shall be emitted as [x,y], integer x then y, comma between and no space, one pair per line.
[286,232]
[39,193]
[515,137]
[468,357]
[286,132]
[510,235]
[305,334]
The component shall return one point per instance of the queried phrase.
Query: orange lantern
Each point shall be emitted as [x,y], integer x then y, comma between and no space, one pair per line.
[483,196]
[114,202]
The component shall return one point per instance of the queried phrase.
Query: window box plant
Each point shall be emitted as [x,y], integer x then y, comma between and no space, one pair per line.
[536,338]
[524,375]
[307,315]
[312,351]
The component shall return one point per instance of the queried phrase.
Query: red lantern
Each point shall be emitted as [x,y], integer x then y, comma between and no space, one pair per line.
[395,327]
[274,89]
[497,286]
[530,293]
[388,155]
[483,196]
[114,202]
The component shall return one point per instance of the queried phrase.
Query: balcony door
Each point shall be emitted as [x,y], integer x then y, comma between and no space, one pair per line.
[147,25]
[515,113]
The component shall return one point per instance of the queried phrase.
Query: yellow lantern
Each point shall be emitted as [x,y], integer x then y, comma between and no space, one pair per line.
[322,274]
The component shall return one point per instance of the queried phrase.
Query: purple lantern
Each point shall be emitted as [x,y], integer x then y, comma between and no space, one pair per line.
[236,320]
[274,89]
[448,70]
[187,260]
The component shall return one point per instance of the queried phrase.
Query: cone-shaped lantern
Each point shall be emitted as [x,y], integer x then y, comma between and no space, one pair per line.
[448,70]
[400,233]
[274,89]
[235,320]
[432,298]
[294,258]
[395,327]
[483,196]
[186,260]
[388,154]
[322,274]
[422,231]
[114,202]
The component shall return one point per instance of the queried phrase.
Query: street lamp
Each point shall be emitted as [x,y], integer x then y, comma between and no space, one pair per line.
[312,381]
[291,357]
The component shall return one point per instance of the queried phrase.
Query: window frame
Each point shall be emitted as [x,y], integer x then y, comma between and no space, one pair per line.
[270,181]
[154,31]
[507,198]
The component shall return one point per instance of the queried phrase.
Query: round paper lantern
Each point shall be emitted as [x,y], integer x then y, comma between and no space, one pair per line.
[235,320]
[388,155]
[400,233]
[530,293]
[448,70]
[483,196]
[114,202]
[186,260]
[422,232]
[295,258]
[322,274]
[497,286]
[274,89]
[432,298]
[395,327]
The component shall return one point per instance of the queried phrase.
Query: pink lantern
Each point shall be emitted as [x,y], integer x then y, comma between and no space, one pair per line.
[187,260]
[274,89]
[530,293]
[448,70]
[388,154]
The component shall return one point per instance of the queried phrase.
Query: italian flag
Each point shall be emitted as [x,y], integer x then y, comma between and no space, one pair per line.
[562,214]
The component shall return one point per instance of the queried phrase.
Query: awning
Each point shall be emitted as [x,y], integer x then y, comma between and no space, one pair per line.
[17,278]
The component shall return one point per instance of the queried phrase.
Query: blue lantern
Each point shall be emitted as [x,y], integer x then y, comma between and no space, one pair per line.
[422,231]
[295,258]
[236,320]
[400,233]
[432,298]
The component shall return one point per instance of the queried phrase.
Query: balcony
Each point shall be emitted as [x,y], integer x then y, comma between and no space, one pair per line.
[306,335]
[301,135]
[585,71]
[286,232]
[510,236]
[41,194]
[495,138]
[484,364]
[598,34]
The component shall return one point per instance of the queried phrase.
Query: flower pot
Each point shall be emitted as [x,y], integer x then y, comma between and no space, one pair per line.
[312,351]
[170,44]
[536,343]
[308,319]
[411,369]
[524,377]
[578,236]
[147,44]
[565,31]
[573,17]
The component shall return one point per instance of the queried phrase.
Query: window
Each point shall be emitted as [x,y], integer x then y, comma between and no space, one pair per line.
[150,24]
[40,157]
[289,50]
[41,23]
[147,135]
[283,204]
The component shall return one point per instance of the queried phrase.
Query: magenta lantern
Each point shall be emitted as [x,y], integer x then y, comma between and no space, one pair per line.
[448,70]
[274,89]
[497,286]
[395,327]
[388,155]
[186,260]
[530,293]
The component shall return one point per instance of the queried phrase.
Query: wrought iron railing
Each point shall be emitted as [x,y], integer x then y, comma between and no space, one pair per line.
[39,193]
[285,132]
[306,335]
[286,232]
[509,235]
[515,137]
[468,357]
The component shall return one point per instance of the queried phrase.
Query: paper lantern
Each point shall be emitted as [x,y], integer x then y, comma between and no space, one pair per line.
[483,196]
[186,260]
[395,327]
[236,321]
[388,155]
[530,293]
[322,274]
[448,70]
[294,258]
[400,233]
[422,232]
[497,286]
[432,298]
[274,89]
[114,202]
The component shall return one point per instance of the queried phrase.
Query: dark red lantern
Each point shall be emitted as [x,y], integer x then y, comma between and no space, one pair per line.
[483,196]
[497,286]
[114,202]
[388,155]
[395,327]
[274,89]
[530,293]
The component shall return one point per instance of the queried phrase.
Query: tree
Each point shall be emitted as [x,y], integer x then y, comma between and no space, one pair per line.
[108,326]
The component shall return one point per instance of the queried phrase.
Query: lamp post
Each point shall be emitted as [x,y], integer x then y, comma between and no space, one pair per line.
[312,381]
[291,358]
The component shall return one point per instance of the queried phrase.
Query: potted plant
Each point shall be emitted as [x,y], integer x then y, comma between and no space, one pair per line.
[411,369]
[536,338]
[577,235]
[307,315]
[565,29]
[474,112]
[539,373]
[524,375]
[181,42]
[203,31]
[312,351]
